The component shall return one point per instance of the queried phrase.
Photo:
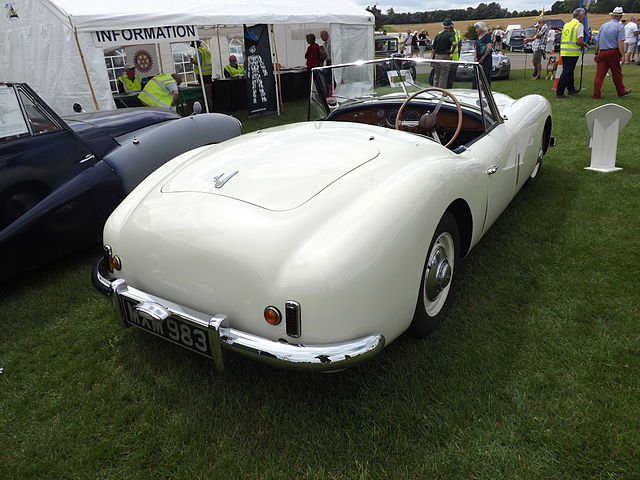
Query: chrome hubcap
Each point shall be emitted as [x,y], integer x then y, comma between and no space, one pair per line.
[439,274]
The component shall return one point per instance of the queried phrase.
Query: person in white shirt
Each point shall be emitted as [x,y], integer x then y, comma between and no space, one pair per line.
[407,43]
[497,36]
[630,40]
[551,40]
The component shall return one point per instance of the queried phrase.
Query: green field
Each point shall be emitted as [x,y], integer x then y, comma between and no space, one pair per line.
[535,374]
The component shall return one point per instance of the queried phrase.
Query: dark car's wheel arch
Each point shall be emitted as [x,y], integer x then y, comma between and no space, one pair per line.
[19,198]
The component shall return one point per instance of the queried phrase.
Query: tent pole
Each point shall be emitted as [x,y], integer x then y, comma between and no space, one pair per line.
[204,94]
[84,66]
[159,56]
[219,50]
[278,83]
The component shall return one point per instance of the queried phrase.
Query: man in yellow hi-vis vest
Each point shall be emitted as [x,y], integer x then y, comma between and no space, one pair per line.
[571,45]
[233,70]
[454,56]
[204,57]
[129,82]
[162,91]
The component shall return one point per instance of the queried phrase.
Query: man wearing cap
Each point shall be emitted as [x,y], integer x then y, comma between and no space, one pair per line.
[571,44]
[609,53]
[539,46]
[444,44]
[129,82]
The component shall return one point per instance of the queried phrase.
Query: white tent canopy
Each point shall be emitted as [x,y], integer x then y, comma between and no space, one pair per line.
[89,16]
[51,46]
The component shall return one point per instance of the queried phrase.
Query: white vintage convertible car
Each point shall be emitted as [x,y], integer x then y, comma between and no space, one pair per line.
[314,245]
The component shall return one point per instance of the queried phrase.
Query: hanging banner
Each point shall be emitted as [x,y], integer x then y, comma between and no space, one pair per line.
[139,36]
[261,87]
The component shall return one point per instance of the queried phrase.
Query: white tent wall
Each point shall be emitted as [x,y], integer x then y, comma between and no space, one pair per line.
[348,43]
[39,48]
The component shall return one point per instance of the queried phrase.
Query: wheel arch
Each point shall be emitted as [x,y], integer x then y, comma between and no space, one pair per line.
[26,185]
[462,213]
[36,188]
[546,134]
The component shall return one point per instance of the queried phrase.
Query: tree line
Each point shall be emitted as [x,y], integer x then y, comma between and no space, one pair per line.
[483,10]
[602,6]
[492,10]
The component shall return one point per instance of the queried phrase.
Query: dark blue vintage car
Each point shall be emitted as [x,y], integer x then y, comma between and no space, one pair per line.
[61,178]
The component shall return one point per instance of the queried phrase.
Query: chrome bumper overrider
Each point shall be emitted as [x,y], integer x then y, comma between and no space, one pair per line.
[327,357]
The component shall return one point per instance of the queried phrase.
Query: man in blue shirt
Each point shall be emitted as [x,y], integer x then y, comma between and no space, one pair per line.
[609,54]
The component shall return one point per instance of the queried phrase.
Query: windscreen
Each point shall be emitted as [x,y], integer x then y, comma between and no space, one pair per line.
[394,79]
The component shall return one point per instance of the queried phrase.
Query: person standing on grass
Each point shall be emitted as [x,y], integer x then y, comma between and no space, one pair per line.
[422,42]
[539,46]
[483,49]
[630,40]
[609,54]
[496,37]
[571,44]
[444,45]
[551,41]
[406,45]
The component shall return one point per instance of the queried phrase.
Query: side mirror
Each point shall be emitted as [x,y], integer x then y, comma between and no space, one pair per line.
[197,108]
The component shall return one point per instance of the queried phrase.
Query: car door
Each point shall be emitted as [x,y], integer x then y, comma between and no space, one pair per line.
[497,149]
[38,152]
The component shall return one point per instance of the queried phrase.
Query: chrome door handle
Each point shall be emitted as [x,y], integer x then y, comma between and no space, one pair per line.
[87,158]
[492,170]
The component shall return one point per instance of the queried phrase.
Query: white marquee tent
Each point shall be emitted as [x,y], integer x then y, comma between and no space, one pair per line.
[52,44]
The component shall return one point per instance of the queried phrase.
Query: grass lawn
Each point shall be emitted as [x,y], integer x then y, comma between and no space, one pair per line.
[535,374]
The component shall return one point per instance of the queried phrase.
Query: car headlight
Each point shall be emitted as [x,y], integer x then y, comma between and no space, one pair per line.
[504,61]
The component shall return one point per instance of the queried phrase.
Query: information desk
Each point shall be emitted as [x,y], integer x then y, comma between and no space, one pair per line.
[230,94]
[127,100]
[295,84]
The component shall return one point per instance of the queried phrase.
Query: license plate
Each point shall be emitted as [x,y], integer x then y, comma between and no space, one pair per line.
[173,329]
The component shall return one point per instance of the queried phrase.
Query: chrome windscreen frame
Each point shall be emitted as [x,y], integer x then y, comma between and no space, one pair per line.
[321,77]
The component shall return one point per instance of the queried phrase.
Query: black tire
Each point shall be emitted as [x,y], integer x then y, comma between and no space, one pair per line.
[438,278]
[533,178]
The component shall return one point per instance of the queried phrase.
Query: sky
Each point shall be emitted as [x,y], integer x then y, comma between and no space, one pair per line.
[422,5]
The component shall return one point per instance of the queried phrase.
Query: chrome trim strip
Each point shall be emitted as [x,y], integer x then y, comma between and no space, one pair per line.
[217,326]
[327,357]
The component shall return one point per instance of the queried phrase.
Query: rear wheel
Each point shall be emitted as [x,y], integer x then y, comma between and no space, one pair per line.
[436,286]
[536,170]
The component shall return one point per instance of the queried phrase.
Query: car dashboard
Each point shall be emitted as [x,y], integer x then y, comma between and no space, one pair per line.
[383,114]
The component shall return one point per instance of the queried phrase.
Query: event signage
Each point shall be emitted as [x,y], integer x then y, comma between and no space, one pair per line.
[138,36]
[261,85]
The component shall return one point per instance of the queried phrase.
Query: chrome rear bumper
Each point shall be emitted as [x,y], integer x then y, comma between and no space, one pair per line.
[155,310]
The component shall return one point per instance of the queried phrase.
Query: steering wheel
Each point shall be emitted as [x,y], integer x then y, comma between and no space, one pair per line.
[429,121]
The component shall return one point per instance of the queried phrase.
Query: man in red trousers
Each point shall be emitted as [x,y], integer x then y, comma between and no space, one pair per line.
[609,54]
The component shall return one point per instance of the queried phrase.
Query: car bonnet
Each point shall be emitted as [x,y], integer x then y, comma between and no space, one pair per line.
[278,169]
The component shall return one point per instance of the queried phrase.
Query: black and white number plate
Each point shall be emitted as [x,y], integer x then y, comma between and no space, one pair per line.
[174,329]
